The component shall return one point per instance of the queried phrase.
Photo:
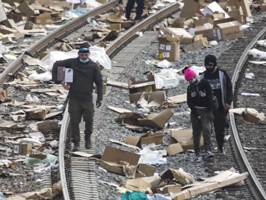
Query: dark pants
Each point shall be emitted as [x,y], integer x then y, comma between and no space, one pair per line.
[201,124]
[139,10]
[77,110]
[219,127]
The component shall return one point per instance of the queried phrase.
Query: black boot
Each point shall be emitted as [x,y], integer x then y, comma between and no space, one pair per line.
[76,146]
[88,143]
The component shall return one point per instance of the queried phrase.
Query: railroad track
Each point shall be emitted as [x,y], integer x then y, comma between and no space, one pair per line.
[76,182]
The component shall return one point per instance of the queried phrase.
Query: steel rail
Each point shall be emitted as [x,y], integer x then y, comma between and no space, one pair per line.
[256,188]
[53,37]
[61,152]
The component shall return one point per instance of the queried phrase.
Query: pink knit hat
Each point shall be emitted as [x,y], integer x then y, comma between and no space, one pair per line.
[189,74]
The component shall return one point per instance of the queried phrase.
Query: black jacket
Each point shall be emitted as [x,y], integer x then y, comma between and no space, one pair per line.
[85,74]
[199,95]
[226,89]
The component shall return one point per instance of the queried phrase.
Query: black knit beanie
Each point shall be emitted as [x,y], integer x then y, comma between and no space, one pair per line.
[210,60]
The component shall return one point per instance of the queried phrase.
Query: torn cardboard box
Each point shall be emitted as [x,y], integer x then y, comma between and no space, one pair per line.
[179,175]
[184,137]
[156,120]
[148,138]
[151,98]
[145,185]
[47,127]
[112,156]
[141,86]
[137,121]
[174,149]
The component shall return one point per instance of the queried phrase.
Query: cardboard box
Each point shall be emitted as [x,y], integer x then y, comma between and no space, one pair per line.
[212,8]
[111,157]
[184,137]
[25,9]
[21,149]
[203,188]
[144,170]
[178,35]
[206,30]
[148,138]
[141,86]
[174,149]
[169,51]
[44,19]
[158,96]
[169,189]
[197,45]
[190,8]
[237,14]
[115,27]
[179,175]
[181,195]
[250,117]
[17,17]
[229,31]
[156,120]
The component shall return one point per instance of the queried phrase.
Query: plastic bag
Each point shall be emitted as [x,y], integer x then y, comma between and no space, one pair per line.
[47,76]
[134,196]
[34,161]
[48,61]
[98,54]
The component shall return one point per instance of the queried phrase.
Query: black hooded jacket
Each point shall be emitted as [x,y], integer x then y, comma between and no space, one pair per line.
[85,74]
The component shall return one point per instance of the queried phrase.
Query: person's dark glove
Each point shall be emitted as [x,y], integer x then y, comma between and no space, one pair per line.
[98,103]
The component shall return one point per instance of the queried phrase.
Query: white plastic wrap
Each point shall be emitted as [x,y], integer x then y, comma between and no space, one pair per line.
[98,54]
[47,76]
[257,53]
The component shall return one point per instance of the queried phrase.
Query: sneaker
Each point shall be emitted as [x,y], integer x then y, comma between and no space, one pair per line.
[198,159]
[76,147]
[209,154]
[222,152]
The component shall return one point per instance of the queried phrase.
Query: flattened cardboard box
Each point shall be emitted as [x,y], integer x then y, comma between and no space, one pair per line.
[148,138]
[181,195]
[169,189]
[112,156]
[184,137]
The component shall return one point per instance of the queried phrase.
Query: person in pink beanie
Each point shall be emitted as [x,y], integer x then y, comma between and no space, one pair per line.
[199,100]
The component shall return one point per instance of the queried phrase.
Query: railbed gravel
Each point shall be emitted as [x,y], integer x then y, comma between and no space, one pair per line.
[108,128]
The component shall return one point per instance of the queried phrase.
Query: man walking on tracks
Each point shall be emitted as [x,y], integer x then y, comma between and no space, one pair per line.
[85,73]
[222,89]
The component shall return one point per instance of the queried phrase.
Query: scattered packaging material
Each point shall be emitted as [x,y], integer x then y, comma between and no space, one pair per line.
[148,138]
[184,137]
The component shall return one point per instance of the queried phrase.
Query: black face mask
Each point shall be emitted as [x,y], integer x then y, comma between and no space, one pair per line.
[210,70]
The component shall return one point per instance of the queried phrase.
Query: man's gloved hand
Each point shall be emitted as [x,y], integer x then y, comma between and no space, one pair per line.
[98,103]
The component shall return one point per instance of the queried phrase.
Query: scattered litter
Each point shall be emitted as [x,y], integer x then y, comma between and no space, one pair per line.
[164,64]
[262,43]
[250,75]
[257,53]
[213,43]
[47,76]
[151,157]
[250,94]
